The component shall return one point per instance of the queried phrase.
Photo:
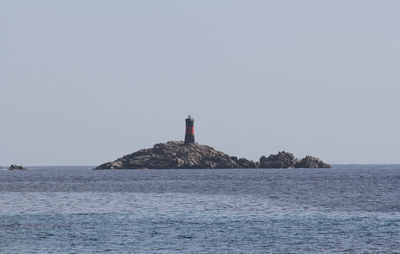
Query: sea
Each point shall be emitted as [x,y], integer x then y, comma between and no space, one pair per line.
[345,209]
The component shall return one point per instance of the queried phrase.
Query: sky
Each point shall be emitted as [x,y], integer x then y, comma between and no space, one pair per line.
[86,82]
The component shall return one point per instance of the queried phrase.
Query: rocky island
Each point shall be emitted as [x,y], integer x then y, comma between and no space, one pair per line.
[189,154]
[16,167]
[177,155]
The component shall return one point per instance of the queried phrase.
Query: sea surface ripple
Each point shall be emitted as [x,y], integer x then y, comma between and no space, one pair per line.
[346,209]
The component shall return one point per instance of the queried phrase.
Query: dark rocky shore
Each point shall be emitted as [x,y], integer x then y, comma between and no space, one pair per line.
[177,155]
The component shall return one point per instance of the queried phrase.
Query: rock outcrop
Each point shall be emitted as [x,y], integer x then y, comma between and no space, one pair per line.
[311,162]
[177,155]
[16,167]
[280,160]
[287,160]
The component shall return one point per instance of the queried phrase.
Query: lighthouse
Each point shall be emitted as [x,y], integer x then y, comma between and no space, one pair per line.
[189,136]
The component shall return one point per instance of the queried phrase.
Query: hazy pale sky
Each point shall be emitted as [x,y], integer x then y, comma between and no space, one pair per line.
[85,82]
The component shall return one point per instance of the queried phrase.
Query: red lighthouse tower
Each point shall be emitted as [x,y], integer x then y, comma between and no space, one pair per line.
[189,136]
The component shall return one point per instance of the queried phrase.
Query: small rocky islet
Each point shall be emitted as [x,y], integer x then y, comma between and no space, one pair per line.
[16,167]
[178,155]
[191,155]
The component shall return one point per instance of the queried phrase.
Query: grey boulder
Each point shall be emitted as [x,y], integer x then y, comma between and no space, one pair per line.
[280,160]
[312,162]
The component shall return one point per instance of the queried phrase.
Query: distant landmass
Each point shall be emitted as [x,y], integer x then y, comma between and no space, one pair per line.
[178,155]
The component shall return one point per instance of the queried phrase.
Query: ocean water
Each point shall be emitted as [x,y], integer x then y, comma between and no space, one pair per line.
[347,209]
